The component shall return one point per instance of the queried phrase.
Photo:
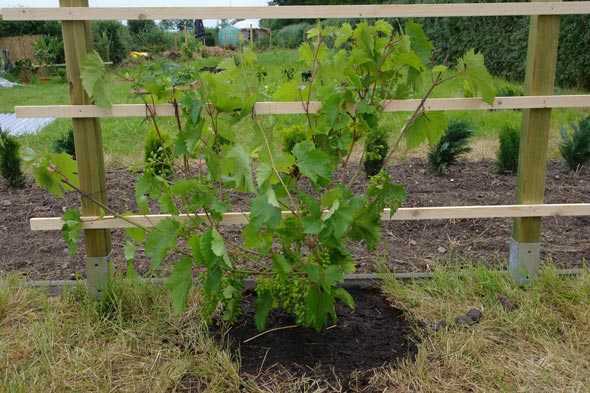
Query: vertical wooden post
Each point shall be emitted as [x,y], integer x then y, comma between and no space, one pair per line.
[89,153]
[534,138]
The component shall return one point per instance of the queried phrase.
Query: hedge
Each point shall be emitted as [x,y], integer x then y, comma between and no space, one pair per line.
[502,40]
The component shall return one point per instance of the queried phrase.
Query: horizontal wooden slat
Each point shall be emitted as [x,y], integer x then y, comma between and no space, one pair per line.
[408,213]
[300,12]
[278,108]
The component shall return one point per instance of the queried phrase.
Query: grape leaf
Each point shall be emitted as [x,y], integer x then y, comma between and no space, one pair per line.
[180,282]
[420,42]
[217,244]
[319,307]
[52,168]
[343,295]
[263,308]
[427,127]
[236,167]
[95,80]
[160,240]
[129,250]
[343,34]
[288,91]
[263,213]
[281,266]
[313,163]
[472,69]
[71,229]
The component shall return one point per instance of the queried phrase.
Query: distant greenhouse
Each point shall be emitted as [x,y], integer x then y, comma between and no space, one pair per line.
[229,36]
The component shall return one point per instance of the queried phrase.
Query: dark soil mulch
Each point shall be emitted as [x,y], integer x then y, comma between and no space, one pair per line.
[372,336]
[406,246]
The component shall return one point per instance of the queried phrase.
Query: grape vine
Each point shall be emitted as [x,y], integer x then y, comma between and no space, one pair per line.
[301,220]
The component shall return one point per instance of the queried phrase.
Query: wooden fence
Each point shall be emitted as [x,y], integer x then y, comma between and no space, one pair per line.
[20,47]
[536,105]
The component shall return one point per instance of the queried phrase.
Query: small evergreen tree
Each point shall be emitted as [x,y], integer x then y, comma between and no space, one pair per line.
[507,157]
[453,144]
[65,144]
[575,147]
[10,161]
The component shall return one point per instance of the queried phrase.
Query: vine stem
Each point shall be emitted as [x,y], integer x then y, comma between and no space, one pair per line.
[151,110]
[179,126]
[419,111]
[275,170]
[95,201]
[314,65]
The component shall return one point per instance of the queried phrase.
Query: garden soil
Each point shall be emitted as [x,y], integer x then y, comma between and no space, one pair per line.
[406,246]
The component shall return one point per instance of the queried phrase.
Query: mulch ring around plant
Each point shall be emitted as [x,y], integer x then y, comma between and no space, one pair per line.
[344,355]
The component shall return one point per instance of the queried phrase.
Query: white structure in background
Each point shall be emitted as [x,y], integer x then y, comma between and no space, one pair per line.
[7,84]
[20,126]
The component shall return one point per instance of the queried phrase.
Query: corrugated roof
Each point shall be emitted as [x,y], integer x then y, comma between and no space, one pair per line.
[14,126]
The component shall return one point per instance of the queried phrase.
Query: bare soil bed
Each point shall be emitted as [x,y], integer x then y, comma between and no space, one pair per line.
[347,353]
[407,246]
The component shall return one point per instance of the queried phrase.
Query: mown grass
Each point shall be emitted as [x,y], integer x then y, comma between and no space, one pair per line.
[132,342]
[123,138]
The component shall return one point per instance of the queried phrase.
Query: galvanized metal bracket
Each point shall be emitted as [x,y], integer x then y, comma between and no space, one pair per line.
[524,261]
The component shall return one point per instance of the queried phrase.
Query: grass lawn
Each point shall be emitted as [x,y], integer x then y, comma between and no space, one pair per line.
[134,343]
[123,138]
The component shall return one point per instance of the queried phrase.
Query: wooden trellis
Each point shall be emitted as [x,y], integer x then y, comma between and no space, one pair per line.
[537,104]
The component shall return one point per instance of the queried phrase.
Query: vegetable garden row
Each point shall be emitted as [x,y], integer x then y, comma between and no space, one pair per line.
[300,221]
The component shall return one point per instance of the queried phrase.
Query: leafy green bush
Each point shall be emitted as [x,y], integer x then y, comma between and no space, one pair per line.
[453,144]
[507,156]
[376,148]
[575,146]
[10,161]
[158,157]
[153,40]
[190,46]
[49,50]
[23,70]
[111,40]
[65,144]
[290,36]
[139,27]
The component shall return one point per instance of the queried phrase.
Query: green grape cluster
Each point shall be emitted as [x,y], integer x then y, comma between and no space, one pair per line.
[287,294]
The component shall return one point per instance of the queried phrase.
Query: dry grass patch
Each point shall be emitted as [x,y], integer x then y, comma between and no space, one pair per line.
[132,342]
[541,346]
